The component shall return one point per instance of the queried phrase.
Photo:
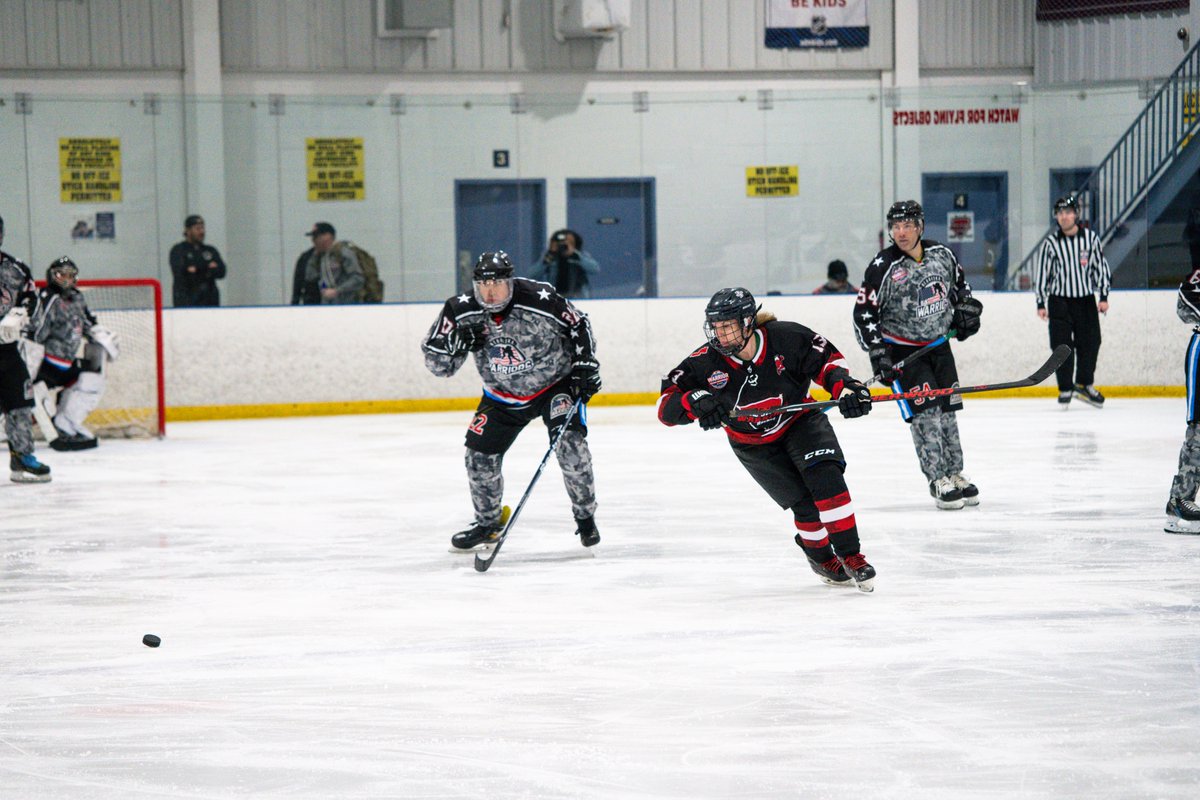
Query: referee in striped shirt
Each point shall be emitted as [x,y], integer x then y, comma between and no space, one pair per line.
[1071,269]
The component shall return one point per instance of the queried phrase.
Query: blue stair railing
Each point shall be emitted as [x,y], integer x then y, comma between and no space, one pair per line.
[1138,159]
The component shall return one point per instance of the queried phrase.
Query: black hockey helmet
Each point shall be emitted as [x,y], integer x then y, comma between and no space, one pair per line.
[62,274]
[1067,201]
[730,304]
[906,210]
[492,267]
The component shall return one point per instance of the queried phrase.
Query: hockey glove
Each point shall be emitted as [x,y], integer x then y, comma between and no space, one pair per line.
[705,409]
[966,318]
[466,338]
[13,324]
[855,400]
[585,380]
[881,362]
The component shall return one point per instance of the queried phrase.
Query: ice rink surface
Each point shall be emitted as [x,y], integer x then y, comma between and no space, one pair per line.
[319,641]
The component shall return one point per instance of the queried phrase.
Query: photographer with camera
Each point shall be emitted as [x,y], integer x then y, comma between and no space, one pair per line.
[566,265]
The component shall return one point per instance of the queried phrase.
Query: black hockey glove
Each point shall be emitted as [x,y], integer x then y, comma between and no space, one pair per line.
[706,409]
[966,318]
[585,380]
[881,362]
[855,400]
[466,338]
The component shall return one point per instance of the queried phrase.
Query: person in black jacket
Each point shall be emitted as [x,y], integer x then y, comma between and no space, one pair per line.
[196,266]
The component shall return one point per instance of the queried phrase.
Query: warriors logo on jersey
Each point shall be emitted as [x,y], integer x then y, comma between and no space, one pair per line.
[932,298]
[718,379]
[505,357]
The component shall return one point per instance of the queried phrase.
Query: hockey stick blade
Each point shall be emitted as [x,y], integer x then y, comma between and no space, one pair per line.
[1060,354]
[482,563]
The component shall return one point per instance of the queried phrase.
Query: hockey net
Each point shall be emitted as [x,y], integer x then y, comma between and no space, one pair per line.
[133,401]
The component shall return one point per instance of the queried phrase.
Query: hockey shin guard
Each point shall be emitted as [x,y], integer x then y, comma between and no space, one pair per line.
[832,498]
[926,430]
[575,461]
[18,424]
[1187,479]
[952,443]
[487,485]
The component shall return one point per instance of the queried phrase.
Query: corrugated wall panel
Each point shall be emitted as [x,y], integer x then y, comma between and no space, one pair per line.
[104,24]
[744,35]
[977,34]
[41,28]
[269,28]
[714,27]
[167,35]
[12,34]
[74,38]
[1131,47]
[360,41]
[237,36]
[660,34]
[634,44]
[689,29]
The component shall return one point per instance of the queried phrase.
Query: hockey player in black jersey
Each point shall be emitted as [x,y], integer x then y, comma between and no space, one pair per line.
[913,293]
[1183,513]
[535,353]
[754,363]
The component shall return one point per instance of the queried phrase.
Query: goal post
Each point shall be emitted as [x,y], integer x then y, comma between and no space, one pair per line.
[134,399]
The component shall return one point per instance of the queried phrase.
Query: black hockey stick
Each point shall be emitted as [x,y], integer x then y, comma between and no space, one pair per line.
[1060,354]
[911,357]
[481,563]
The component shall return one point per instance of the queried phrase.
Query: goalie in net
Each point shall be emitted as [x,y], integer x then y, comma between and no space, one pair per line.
[68,385]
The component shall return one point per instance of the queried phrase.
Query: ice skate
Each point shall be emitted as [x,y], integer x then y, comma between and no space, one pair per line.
[947,496]
[1064,399]
[862,573]
[480,536]
[585,529]
[1183,516]
[970,492]
[831,572]
[27,469]
[1090,395]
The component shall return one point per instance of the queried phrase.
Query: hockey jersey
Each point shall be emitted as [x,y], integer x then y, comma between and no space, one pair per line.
[61,321]
[788,359]
[1188,304]
[16,284]
[530,346]
[908,303]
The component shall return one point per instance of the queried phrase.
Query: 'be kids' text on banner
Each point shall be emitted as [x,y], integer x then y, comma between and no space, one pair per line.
[817,23]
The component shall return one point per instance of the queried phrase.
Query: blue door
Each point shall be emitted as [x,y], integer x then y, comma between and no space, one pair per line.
[968,211]
[615,218]
[497,215]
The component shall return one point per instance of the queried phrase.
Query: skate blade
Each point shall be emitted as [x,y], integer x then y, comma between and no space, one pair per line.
[951,506]
[1182,526]
[25,477]
[479,548]
[866,587]
[971,503]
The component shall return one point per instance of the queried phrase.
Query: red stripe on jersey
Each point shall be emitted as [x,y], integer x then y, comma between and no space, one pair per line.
[809,527]
[830,503]
[836,360]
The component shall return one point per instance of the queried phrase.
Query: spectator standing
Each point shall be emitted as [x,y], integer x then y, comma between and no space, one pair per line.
[332,267]
[196,267]
[839,280]
[566,265]
[1071,270]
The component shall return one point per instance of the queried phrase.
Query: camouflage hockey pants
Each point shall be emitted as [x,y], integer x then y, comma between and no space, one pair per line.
[18,425]
[939,448]
[1187,479]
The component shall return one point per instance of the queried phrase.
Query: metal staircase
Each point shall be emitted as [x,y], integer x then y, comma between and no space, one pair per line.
[1154,153]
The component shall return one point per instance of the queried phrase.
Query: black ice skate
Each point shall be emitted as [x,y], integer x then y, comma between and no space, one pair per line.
[862,572]
[1183,516]
[1090,395]
[585,529]
[947,496]
[970,492]
[1064,399]
[73,441]
[27,469]
[480,536]
[831,572]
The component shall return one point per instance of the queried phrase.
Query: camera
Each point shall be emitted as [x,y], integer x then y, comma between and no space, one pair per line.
[1182,34]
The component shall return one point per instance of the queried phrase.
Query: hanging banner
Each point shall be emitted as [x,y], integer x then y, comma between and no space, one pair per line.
[336,169]
[817,23]
[89,170]
[779,181]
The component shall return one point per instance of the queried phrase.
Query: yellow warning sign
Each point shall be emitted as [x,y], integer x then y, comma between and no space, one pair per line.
[336,169]
[773,181]
[89,170]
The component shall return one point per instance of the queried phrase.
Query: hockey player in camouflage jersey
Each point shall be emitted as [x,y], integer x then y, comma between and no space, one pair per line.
[535,353]
[1183,514]
[61,324]
[17,300]
[754,363]
[914,292]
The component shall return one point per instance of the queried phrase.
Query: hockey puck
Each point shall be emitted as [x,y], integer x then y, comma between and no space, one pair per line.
[150,640]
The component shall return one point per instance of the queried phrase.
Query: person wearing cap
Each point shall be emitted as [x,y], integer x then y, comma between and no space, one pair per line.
[1071,270]
[566,265]
[196,266]
[839,280]
[329,273]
